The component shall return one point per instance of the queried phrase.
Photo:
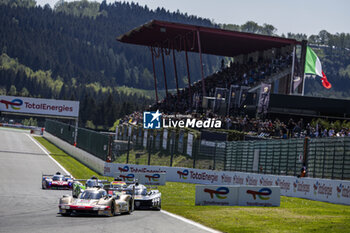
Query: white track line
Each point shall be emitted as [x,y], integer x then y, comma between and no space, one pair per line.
[190,222]
[47,153]
[163,211]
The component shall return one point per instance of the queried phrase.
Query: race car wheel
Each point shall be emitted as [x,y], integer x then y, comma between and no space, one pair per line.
[66,214]
[43,185]
[159,207]
[113,208]
[130,207]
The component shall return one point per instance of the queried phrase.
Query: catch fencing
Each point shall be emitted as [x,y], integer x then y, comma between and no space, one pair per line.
[167,148]
[93,142]
[322,157]
[280,157]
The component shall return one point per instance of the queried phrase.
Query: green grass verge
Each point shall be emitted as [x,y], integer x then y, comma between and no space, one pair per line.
[73,166]
[294,214]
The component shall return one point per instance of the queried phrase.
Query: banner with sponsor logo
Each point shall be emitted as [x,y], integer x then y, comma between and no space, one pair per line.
[189,144]
[145,138]
[259,196]
[216,195]
[233,195]
[165,139]
[234,96]
[37,106]
[129,131]
[145,178]
[334,191]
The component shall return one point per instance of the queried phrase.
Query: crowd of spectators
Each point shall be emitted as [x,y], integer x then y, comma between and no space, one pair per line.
[263,128]
[249,74]
[276,128]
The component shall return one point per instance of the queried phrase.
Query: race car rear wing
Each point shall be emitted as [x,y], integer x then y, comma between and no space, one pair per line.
[50,175]
[102,181]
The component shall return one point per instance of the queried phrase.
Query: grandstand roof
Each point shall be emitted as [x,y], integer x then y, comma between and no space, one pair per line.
[213,40]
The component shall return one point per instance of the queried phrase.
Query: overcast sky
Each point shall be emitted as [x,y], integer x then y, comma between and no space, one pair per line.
[298,16]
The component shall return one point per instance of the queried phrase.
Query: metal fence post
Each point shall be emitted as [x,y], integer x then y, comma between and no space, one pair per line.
[110,145]
[127,155]
[172,148]
[194,152]
[225,158]
[305,157]
[333,160]
[342,168]
[324,159]
[214,159]
[149,150]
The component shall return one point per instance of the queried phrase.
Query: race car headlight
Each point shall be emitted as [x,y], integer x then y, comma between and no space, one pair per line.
[65,207]
[101,208]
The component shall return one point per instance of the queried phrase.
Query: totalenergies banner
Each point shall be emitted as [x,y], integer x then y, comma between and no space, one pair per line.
[17,104]
[232,195]
[334,191]
[155,178]
[216,195]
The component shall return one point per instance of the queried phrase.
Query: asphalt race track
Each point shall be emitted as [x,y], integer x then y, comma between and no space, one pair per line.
[25,207]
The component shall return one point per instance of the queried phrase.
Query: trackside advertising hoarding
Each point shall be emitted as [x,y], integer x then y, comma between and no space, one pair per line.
[36,106]
[259,196]
[154,178]
[216,195]
[246,195]
[333,191]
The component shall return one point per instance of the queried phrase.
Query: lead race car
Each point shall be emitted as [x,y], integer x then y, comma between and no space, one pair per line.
[146,198]
[78,187]
[56,181]
[97,201]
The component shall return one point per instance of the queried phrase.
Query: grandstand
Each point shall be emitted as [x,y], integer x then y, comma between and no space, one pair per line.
[258,61]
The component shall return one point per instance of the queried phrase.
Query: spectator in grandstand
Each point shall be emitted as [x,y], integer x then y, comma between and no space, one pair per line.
[290,127]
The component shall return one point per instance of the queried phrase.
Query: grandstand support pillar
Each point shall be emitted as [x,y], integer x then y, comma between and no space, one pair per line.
[165,83]
[292,73]
[76,131]
[188,76]
[154,75]
[200,59]
[175,70]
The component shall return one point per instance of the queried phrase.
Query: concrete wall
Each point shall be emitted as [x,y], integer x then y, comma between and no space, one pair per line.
[84,157]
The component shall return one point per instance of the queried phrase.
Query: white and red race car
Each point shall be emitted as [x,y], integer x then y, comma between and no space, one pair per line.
[57,181]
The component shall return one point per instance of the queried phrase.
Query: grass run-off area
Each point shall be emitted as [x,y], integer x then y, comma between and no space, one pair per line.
[294,214]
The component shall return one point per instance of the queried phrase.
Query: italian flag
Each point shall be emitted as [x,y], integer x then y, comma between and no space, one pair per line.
[313,66]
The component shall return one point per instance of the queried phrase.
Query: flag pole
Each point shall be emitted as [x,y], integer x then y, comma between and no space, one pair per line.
[302,64]
[292,73]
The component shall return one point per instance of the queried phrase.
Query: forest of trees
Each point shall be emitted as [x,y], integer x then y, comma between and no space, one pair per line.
[71,52]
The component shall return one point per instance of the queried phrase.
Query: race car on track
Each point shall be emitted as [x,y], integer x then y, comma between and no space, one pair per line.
[78,187]
[96,201]
[146,198]
[57,181]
